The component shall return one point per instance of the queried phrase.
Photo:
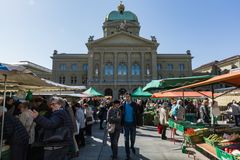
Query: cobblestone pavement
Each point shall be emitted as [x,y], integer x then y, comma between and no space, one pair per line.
[149,146]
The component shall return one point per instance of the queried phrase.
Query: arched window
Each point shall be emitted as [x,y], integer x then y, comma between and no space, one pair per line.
[122,69]
[136,69]
[109,69]
[96,70]
[108,92]
[148,72]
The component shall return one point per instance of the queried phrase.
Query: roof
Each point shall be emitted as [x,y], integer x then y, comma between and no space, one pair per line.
[34,65]
[125,15]
[216,62]
[147,41]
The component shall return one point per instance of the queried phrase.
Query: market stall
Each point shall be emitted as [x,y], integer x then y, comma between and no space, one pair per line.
[92,92]
[179,94]
[168,83]
[22,78]
[140,93]
[221,141]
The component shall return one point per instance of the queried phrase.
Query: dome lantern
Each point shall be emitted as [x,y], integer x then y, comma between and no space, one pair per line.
[121,8]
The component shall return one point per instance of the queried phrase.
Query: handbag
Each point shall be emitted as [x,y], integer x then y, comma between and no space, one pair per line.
[56,136]
[111,128]
[89,119]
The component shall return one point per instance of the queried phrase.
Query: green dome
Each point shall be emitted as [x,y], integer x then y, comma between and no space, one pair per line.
[125,15]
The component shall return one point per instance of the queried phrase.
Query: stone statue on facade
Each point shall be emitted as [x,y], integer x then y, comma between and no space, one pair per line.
[154,39]
[55,52]
[90,39]
[123,26]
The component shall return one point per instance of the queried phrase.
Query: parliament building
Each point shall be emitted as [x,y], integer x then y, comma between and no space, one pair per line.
[121,60]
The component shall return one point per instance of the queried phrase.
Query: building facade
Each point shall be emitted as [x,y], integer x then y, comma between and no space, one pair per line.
[121,60]
[219,67]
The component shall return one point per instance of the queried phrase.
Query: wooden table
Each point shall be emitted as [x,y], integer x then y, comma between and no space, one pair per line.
[208,149]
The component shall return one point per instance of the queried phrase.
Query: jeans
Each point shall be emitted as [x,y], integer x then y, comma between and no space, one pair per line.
[129,131]
[114,142]
[101,123]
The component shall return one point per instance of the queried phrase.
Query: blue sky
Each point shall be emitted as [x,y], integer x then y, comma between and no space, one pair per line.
[32,29]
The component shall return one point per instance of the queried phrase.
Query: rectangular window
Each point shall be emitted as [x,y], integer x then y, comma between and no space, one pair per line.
[170,67]
[159,67]
[62,79]
[74,67]
[63,67]
[181,67]
[73,80]
[85,68]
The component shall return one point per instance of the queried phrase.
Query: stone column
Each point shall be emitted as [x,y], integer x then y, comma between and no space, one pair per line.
[90,68]
[142,68]
[101,67]
[115,73]
[129,71]
[154,65]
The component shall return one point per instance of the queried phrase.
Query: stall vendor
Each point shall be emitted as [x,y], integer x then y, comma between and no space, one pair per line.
[205,112]
[15,135]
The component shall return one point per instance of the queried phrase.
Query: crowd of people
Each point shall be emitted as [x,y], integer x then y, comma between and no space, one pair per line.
[43,129]
[54,128]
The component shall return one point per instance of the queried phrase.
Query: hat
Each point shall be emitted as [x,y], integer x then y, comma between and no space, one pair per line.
[3,109]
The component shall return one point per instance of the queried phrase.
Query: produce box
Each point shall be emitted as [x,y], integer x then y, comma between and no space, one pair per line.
[212,143]
[194,139]
[222,155]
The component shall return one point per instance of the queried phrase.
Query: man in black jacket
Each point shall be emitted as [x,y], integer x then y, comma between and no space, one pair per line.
[16,136]
[129,122]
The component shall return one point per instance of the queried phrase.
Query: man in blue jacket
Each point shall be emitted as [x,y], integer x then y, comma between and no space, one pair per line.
[129,113]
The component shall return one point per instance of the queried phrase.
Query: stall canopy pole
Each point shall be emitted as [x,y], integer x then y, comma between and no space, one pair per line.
[3,114]
[183,98]
[184,103]
[212,116]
